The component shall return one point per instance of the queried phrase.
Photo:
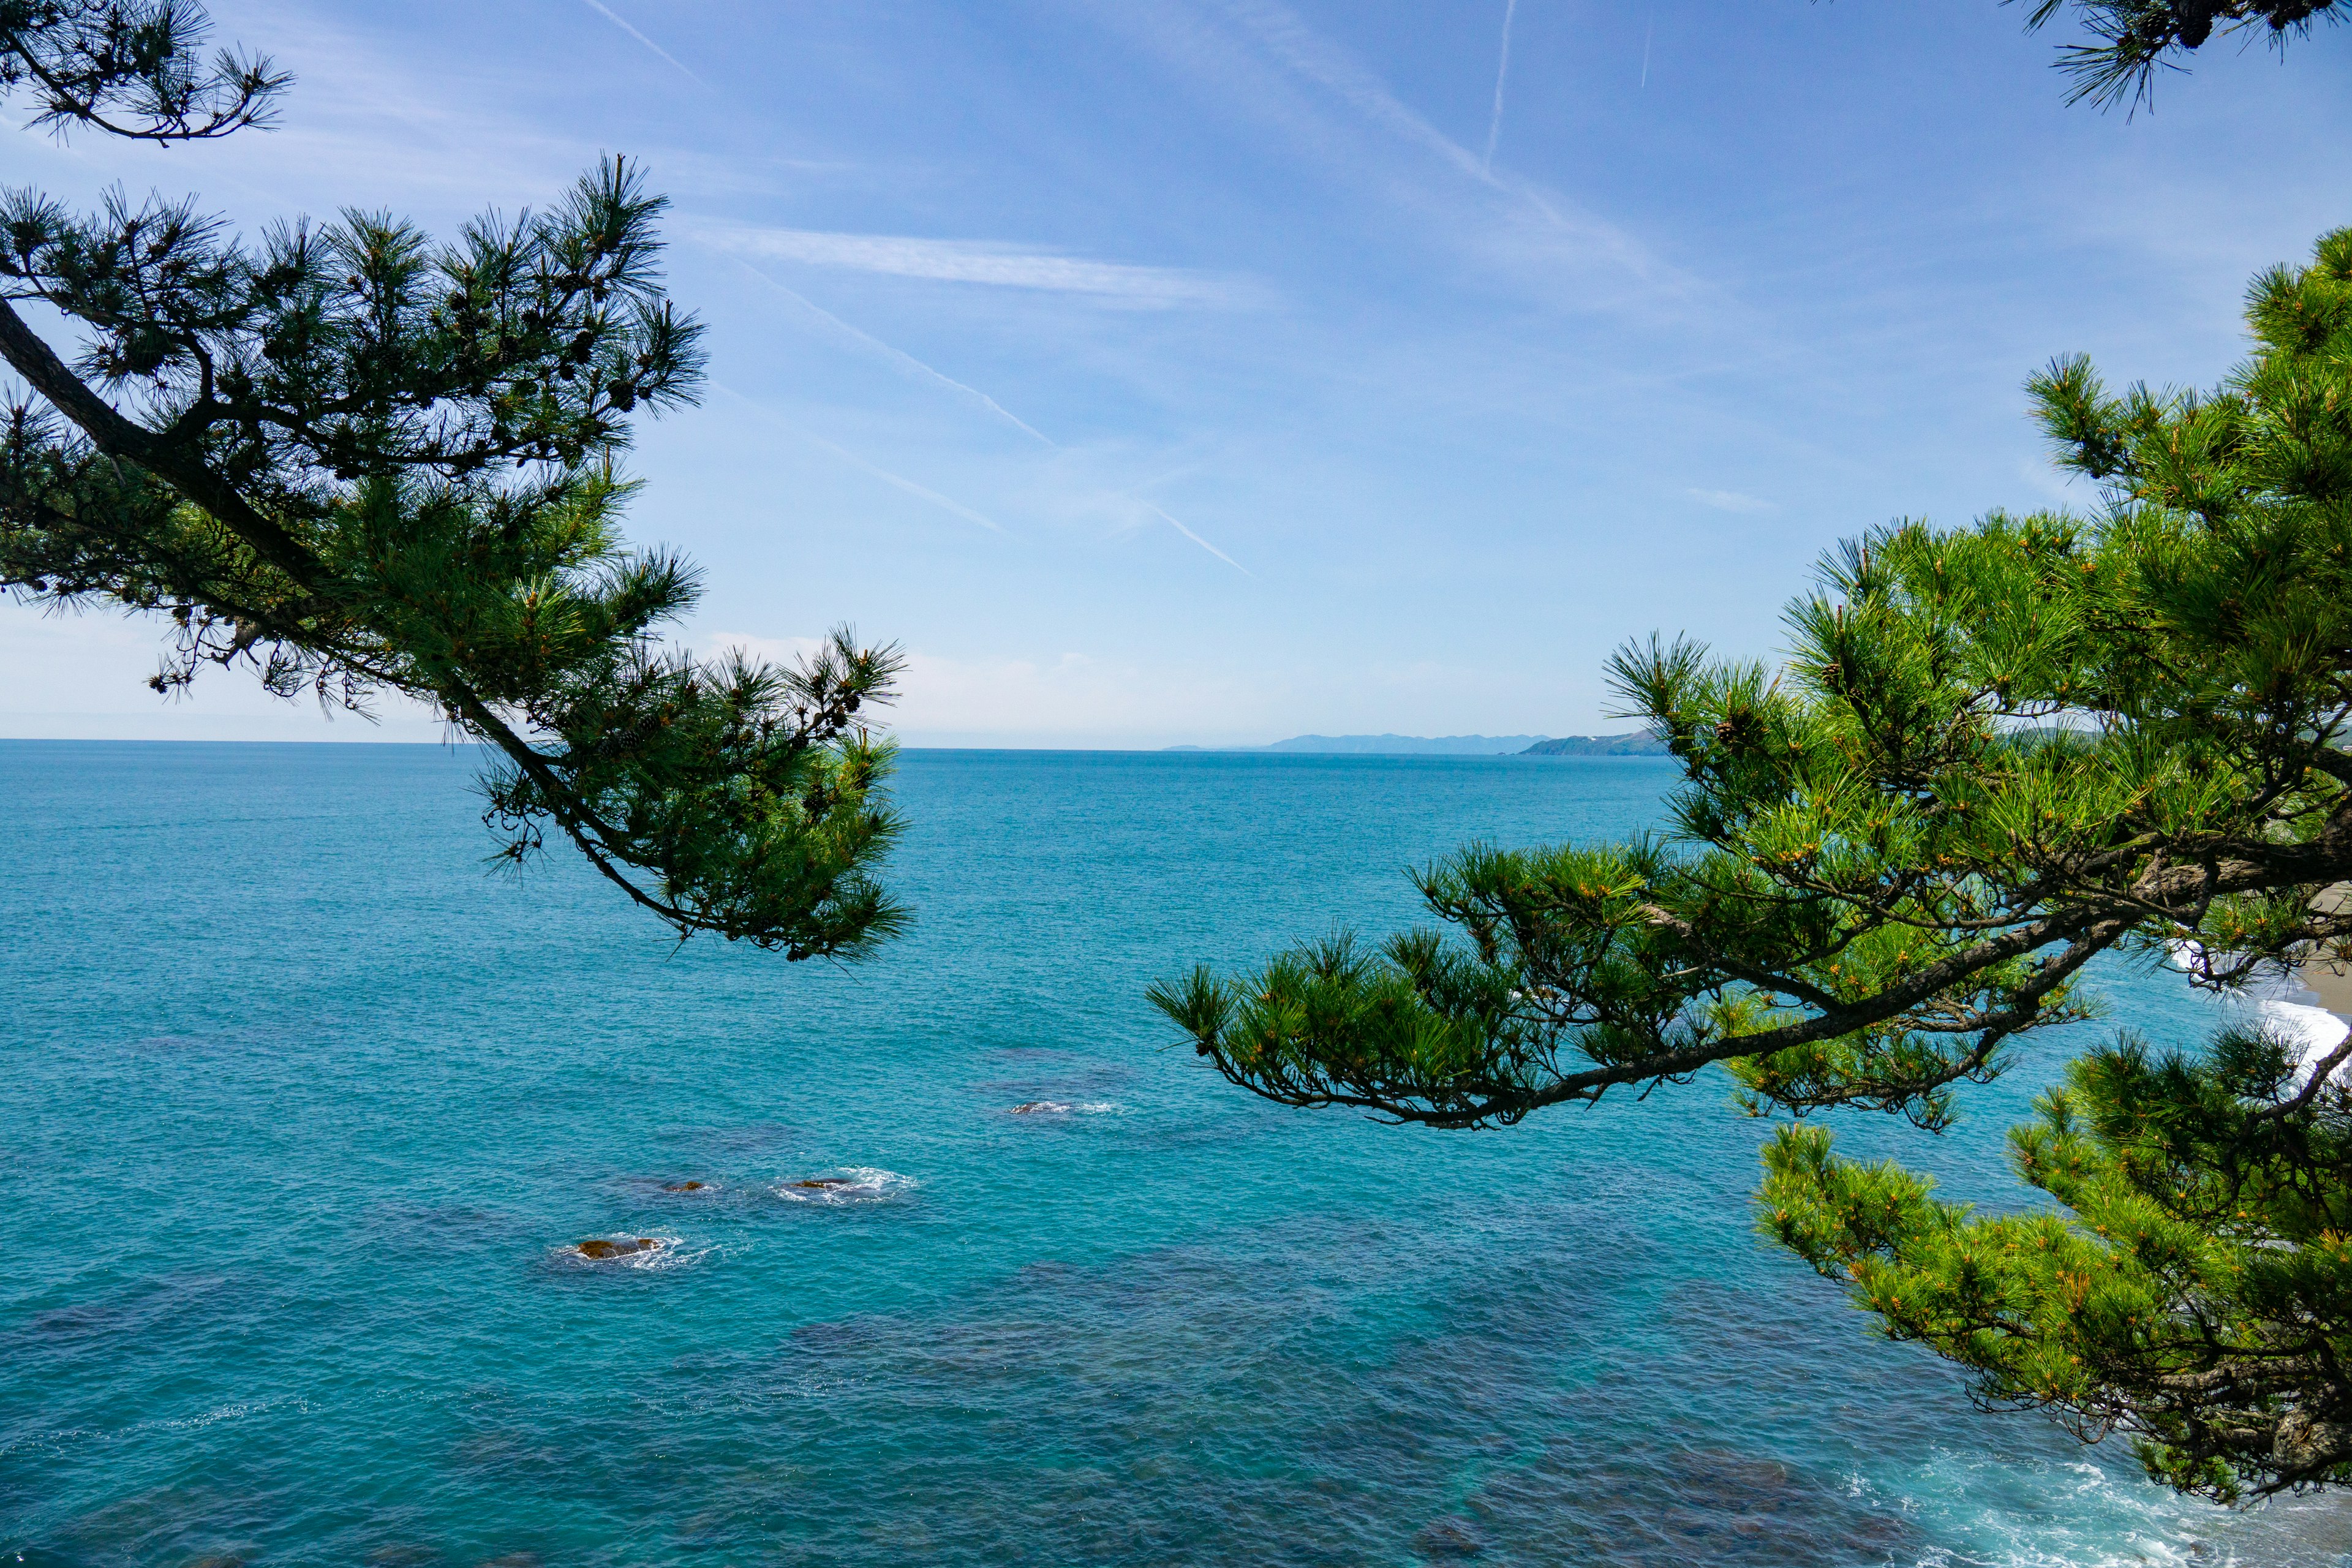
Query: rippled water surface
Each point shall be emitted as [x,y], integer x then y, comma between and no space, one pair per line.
[303,1116]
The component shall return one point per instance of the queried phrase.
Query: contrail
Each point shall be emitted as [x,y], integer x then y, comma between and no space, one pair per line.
[922,492]
[622,22]
[1294,44]
[1202,543]
[908,360]
[1502,72]
[899,357]
[1647,33]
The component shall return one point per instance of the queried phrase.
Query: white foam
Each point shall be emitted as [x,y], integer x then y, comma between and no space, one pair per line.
[667,1252]
[2281,1005]
[847,1184]
[2115,1521]
[2315,1031]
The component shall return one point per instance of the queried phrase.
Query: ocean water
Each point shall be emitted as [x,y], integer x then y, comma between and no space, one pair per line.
[302,1112]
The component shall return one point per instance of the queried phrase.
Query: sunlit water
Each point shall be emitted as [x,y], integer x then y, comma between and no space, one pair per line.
[302,1115]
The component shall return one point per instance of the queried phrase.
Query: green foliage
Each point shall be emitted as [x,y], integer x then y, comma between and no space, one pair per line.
[358,462]
[130,68]
[2135,38]
[1993,754]
[2197,1293]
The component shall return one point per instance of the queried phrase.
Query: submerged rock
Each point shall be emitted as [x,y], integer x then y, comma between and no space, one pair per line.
[1040,1108]
[598,1246]
[685,1186]
[1448,1538]
[822,1184]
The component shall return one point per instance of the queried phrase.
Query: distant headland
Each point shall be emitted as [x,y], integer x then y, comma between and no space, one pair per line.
[1636,744]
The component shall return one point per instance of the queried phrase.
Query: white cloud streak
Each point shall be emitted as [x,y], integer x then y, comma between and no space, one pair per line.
[983,262]
[909,362]
[897,357]
[1298,48]
[1196,539]
[1502,74]
[898,482]
[1294,47]
[622,22]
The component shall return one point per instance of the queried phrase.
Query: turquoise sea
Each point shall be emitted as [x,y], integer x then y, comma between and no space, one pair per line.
[300,1108]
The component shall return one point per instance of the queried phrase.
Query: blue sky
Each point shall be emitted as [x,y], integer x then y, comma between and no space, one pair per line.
[1212,371]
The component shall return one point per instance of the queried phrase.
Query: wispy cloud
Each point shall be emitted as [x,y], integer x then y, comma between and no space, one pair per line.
[1533,223]
[623,23]
[1044,696]
[1298,48]
[897,481]
[1731,501]
[1502,74]
[905,361]
[985,262]
[897,357]
[1058,697]
[1196,539]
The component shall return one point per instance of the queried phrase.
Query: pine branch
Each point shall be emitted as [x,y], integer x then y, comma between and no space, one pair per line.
[1994,754]
[132,68]
[2138,37]
[361,463]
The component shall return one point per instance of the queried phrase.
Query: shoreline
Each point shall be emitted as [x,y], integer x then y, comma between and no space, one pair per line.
[2332,983]
[2330,980]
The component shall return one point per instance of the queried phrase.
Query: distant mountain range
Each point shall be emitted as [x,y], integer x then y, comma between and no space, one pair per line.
[1634,745]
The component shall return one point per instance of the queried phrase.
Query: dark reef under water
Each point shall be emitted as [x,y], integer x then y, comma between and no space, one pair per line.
[944,1259]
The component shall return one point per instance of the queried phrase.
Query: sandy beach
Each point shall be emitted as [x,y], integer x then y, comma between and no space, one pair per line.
[2332,983]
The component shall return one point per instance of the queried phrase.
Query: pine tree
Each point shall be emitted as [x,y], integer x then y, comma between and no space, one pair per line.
[359,463]
[1995,753]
